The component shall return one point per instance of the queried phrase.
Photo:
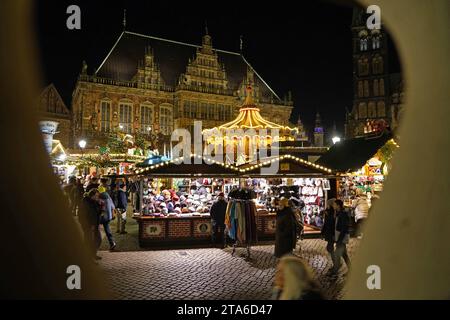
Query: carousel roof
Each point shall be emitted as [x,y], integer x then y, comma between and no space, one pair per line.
[250,118]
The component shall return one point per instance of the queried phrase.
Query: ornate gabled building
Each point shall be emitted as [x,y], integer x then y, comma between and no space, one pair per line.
[373,84]
[152,85]
[51,107]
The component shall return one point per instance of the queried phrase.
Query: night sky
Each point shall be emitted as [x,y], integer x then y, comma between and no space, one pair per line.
[305,48]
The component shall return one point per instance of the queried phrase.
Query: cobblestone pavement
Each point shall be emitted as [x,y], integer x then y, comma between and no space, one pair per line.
[210,274]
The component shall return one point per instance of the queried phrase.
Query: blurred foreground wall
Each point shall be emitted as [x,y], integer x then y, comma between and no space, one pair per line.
[408,236]
[38,236]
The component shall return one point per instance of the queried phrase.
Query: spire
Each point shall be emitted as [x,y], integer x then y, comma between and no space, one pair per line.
[241,43]
[318,128]
[124,19]
[249,98]
[318,122]
[206,41]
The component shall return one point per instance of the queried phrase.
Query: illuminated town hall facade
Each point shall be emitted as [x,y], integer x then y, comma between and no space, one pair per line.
[150,85]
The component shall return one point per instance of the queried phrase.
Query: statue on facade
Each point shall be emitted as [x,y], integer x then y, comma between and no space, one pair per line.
[136,125]
[84,68]
[95,119]
[115,121]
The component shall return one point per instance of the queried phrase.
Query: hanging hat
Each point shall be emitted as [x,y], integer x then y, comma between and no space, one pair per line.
[177,210]
[185,210]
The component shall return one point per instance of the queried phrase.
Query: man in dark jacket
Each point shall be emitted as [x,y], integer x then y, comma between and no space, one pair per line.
[342,236]
[218,210]
[90,221]
[122,205]
[328,229]
[285,233]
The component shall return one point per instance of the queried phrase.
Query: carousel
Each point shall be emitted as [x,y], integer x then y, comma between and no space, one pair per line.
[247,134]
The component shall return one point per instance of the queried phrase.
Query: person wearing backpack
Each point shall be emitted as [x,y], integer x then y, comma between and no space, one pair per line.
[106,217]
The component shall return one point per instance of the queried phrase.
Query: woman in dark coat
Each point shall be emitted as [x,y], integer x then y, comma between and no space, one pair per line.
[328,228]
[285,234]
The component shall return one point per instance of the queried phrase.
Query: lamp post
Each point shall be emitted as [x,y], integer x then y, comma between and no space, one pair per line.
[336,140]
[82,144]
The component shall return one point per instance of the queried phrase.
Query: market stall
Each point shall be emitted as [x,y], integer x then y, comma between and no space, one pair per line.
[362,163]
[176,200]
[306,184]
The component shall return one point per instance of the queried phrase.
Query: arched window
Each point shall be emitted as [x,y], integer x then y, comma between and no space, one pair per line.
[105,116]
[363,66]
[372,110]
[376,90]
[362,110]
[146,118]
[125,116]
[381,87]
[381,109]
[376,42]
[166,119]
[363,44]
[366,88]
[360,89]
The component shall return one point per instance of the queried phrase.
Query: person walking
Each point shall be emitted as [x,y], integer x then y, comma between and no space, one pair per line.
[92,184]
[361,207]
[217,212]
[70,191]
[106,217]
[328,229]
[103,187]
[90,220]
[122,205]
[342,237]
[285,232]
[294,281]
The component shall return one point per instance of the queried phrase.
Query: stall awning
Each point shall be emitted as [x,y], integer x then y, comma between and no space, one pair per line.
[198,167]
[350,155]
[288,166]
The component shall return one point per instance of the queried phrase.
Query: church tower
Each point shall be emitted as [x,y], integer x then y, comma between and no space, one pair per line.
[370,76]
[318,132]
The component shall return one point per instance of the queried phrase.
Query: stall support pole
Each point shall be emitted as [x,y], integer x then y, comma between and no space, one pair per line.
[141,194]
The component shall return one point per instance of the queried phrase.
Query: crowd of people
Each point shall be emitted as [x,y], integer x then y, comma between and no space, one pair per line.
[96,202]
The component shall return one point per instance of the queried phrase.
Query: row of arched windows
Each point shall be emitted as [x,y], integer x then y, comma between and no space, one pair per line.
[377,89]
[364,43]
[371,110]
[126,122]
[363,65]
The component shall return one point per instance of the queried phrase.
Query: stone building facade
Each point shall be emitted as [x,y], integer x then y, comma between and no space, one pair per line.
[373,84]
[51,107]
[149,85]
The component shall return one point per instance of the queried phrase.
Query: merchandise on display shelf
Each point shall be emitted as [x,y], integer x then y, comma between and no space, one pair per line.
[189,197]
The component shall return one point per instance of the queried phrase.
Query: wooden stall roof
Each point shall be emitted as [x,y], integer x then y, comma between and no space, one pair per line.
[198,166]
[288,166]
[350,155]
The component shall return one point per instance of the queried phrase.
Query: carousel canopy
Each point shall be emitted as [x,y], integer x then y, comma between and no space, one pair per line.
[250,118]
[352,154]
